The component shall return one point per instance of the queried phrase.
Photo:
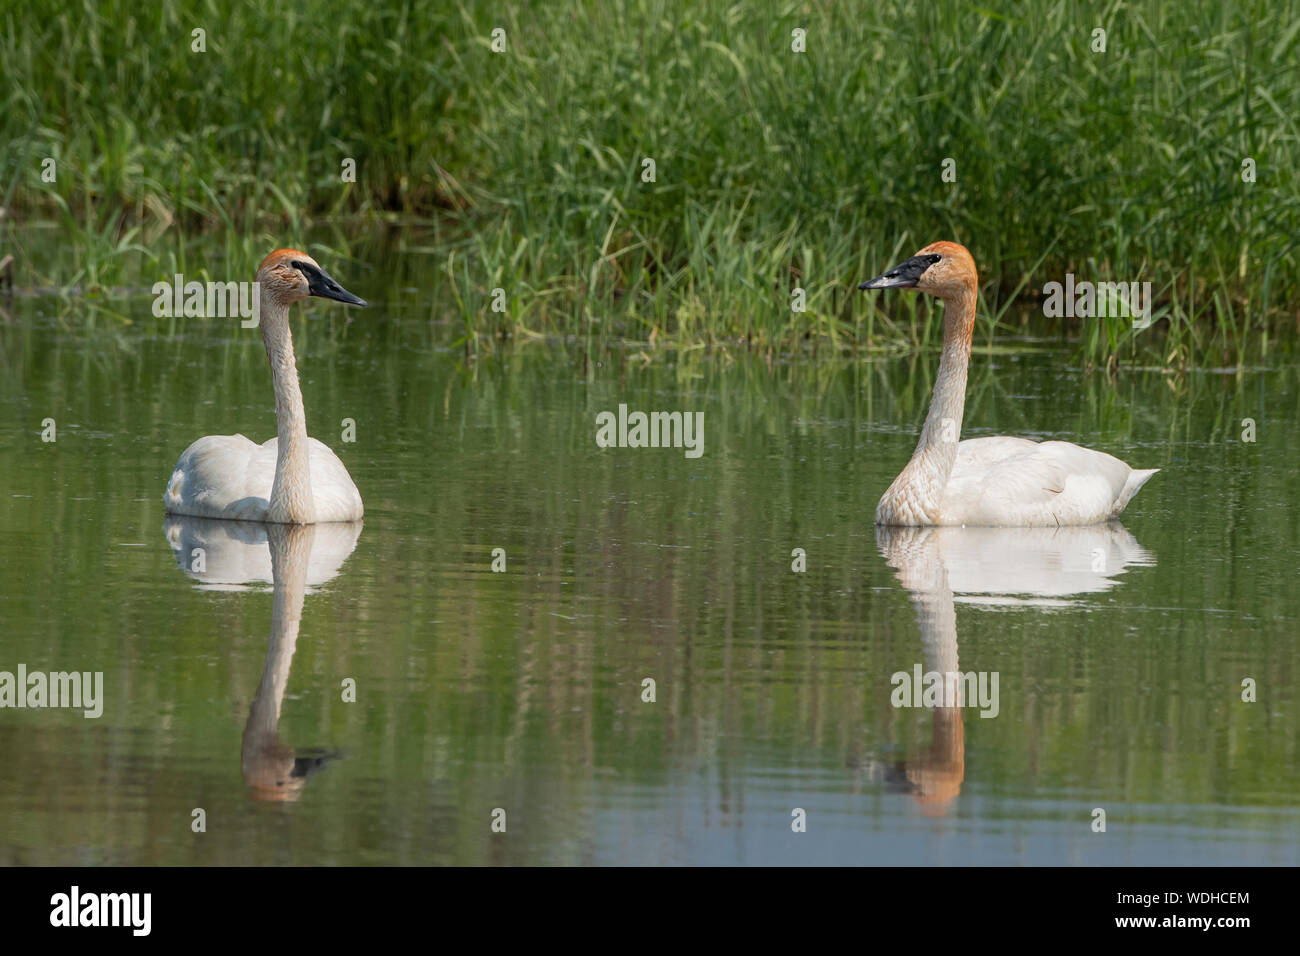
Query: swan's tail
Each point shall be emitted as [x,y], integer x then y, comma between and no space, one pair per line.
[1137,477]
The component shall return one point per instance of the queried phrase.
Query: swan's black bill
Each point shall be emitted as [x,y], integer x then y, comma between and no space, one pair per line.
[904,275]
[320,283]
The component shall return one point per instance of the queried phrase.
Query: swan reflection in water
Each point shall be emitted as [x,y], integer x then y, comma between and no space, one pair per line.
[1007,567]
[294,559]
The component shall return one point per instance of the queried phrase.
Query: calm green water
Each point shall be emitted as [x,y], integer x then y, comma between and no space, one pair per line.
[1120,651]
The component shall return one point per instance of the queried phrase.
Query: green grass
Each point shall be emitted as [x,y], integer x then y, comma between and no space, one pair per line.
[773,169]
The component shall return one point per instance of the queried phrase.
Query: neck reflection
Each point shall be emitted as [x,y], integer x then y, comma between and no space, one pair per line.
[294,559]
[1003,567]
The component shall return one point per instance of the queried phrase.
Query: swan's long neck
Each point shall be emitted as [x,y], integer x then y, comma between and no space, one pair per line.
[916,494]
[291,498]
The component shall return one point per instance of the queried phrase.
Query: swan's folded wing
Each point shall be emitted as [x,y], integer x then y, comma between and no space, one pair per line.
[335,496]
[976,455]
[222,476]
[1028,483]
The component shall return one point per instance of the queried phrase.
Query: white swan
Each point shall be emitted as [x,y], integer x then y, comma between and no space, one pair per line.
[290,479]
[1001,481]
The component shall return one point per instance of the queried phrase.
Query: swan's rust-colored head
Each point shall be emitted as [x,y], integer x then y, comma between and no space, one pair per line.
[289,275]
[943,269]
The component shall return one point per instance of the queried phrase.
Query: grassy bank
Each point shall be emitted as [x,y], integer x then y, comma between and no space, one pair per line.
[773,169]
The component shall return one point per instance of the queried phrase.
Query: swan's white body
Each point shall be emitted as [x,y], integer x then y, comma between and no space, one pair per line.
[1015,482]
[995,482]
[291,479]
[231,477]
